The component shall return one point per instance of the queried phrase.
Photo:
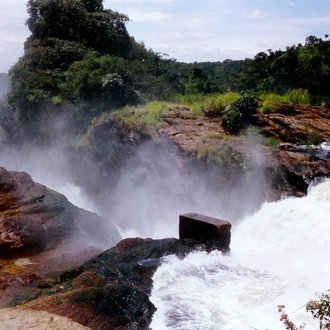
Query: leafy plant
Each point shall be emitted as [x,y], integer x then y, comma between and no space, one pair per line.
[320,309]
[241,110]
[286,321]
[271,142]
[313,144]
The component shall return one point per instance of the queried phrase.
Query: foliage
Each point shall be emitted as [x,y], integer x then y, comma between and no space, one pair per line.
[271,142]
[100,77]
[286,321]
[63,32]
[144,118]
[216,104]
[296,96]
[313,144]
[210,105]
[320,309]
[241,111]
[79,52]
[229,162]
[85,22]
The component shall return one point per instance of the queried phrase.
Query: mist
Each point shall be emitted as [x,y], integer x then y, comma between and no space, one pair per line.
[142,193]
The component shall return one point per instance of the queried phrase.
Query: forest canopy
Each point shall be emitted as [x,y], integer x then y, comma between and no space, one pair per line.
[80,52]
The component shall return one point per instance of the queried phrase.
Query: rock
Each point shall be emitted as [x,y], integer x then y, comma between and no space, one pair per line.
[110,291]
[215,233]
[292,123]
[25,318]
[115,306]
[133,260]
[35,220]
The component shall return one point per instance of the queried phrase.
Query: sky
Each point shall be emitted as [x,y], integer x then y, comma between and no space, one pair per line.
[193,30]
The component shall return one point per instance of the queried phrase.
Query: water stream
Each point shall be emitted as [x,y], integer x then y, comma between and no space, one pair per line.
[278,256]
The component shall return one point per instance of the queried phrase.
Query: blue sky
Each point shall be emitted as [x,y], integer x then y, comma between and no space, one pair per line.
[194,30]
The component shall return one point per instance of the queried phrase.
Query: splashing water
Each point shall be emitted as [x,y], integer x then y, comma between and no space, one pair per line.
[278,256]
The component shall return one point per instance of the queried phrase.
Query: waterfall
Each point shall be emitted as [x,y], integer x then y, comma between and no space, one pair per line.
[278,256]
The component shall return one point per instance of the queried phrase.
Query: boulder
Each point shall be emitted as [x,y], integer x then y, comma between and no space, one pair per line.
[36,221]
[110,291]
[215,233]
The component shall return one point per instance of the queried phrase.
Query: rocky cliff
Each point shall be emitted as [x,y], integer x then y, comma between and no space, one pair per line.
[42,226]
[201,148]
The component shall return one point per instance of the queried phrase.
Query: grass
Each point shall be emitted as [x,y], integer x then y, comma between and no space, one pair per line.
[295,96]
[210,105]
[151,116]
[146,117]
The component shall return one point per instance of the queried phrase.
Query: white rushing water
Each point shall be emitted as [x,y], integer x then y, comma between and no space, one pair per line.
[278,256]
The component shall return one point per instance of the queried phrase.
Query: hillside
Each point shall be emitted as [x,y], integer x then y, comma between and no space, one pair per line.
[289,170]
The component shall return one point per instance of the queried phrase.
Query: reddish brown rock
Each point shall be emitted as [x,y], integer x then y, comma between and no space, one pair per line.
[110,291]
[42,225]
[292,123]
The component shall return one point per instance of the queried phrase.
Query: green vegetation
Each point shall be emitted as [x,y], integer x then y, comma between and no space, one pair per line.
[227,161]
[295,96]
[313,144]
[80,57]
[210,104]
[146,117]
[241,111]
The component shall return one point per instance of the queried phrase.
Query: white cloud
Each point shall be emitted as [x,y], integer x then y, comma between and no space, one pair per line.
[141,15]
[193,30]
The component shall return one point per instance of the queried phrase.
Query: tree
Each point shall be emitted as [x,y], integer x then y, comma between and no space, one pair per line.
[101,78]
[63,32]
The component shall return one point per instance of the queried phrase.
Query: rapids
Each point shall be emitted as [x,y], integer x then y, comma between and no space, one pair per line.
[278,256]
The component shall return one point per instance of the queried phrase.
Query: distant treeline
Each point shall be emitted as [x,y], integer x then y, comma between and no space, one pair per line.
[80,53]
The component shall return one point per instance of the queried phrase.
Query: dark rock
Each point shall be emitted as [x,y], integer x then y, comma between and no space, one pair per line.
[133,260]
[107,292]
[115,306]
[215,233]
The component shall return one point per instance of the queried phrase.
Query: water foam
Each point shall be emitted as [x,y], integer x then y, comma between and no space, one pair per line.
[278,256]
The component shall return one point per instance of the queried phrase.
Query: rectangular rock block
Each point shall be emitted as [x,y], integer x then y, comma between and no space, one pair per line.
[214,232]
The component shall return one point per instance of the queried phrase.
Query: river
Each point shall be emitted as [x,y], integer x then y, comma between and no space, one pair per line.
[279,255]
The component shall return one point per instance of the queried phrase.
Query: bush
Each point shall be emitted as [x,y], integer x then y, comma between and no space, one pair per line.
[313,144]
[320,309]
[241,111]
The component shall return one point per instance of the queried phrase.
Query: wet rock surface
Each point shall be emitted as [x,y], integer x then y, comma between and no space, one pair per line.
[40,224]
[110,291]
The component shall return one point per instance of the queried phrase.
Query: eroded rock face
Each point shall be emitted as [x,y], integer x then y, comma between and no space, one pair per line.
[36,220]
[292,123]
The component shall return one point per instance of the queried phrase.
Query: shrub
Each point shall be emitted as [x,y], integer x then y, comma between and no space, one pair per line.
[241,111]
[313,144]
[320,309]
[271,142]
